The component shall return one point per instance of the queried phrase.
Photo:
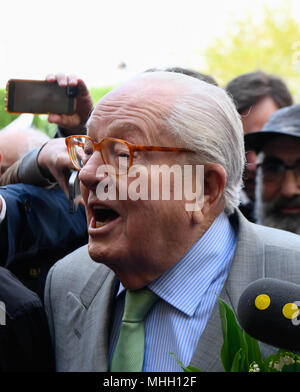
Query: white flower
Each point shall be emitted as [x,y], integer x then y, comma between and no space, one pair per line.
[254,368]
[284,360]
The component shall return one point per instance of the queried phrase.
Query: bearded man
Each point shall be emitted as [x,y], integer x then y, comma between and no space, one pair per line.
[278,175]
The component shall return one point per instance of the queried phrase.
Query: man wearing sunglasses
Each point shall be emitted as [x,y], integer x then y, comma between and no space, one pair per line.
[278,176]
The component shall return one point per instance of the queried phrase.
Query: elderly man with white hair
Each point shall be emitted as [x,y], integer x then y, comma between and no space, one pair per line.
[147,282]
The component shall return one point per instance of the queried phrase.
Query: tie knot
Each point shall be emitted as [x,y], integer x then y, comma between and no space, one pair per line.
[137,304]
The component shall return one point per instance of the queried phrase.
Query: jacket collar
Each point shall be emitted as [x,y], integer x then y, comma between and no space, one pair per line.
[247,265]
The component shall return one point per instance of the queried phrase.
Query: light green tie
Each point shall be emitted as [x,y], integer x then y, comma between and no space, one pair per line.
[129,352]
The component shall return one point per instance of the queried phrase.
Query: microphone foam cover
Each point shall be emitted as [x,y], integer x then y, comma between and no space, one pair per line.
[268,310]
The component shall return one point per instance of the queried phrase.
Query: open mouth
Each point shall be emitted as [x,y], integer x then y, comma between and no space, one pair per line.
[103,215]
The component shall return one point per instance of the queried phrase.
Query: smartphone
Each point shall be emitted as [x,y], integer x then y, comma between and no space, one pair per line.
[39,97]
[74,191]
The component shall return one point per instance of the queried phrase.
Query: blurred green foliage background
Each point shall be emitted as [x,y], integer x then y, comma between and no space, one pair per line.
[269,42]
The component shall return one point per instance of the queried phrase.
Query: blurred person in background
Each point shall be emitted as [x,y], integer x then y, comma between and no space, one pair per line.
[15,143]
[256,95]
[278,175]
[186,71]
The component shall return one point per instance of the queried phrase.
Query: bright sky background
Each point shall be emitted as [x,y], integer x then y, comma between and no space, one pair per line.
[91,38]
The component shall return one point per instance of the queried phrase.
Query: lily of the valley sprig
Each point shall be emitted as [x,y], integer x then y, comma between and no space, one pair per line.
[241,353]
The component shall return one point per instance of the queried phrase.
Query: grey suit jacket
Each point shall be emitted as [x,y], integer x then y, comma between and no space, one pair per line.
[79,292]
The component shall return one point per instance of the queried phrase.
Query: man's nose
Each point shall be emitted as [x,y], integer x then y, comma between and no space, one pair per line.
[90,175]
[289,186]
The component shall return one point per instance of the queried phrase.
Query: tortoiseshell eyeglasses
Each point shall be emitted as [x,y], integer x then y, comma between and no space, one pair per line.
[115,152]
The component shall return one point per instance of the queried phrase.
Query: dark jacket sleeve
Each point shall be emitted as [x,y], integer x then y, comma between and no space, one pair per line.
[25,344]
[38,230]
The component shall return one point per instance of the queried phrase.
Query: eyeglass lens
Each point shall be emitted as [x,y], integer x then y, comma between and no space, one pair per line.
[274,170]
[114,153]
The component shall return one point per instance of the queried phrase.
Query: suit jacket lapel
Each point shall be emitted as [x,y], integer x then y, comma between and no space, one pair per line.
[88,336]
[207,354]
[247,265]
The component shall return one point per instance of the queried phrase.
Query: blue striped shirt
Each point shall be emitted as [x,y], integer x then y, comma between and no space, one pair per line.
[188,292]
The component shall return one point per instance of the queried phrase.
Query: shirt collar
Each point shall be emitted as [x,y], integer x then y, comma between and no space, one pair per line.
[184,284]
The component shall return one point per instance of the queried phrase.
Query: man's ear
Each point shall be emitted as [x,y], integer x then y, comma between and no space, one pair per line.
[214,185]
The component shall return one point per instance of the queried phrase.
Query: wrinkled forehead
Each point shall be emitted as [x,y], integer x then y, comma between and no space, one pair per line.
[142,102]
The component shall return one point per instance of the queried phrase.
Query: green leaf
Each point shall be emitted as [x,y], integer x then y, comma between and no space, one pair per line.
[189,368]
[237,365]
[192,368]
[291,368]
[253,350]
[297,366]
[232,336]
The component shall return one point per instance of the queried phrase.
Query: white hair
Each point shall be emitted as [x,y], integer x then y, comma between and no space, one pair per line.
[206,121]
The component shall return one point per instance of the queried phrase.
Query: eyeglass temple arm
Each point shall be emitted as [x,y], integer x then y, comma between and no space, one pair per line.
[288,167]
[158,148]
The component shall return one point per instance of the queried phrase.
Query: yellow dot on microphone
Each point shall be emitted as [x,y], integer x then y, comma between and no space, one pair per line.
[262,301]
[290,311]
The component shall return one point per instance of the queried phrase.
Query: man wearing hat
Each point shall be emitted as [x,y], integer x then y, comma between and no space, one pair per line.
[278,174]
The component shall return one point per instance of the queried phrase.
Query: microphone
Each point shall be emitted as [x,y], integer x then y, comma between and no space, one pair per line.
[269,311]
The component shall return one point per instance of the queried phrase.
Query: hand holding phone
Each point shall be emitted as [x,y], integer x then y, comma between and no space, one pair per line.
[75,123]
[72,121]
